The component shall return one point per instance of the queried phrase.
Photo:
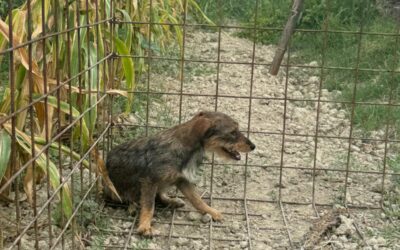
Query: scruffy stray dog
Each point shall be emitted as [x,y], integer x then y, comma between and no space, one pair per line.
[143,169]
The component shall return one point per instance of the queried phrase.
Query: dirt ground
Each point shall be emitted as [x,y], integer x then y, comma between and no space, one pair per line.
[265,227]
[246,192]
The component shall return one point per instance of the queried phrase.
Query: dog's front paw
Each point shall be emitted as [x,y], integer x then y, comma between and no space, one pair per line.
[146,231]
[216,215]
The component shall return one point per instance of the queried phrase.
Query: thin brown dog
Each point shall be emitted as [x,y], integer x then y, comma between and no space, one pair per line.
[142,170]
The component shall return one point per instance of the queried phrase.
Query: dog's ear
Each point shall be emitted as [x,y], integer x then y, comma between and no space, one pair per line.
[202,126]
[200,114]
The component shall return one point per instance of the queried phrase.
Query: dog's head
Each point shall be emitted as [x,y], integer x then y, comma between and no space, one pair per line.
[219,133]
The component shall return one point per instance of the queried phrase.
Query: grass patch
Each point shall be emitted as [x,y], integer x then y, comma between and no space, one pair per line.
[4,7]
[392,197]
[377,52]
[376,55]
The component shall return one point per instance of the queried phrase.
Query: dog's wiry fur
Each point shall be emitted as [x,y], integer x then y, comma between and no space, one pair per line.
[144,169]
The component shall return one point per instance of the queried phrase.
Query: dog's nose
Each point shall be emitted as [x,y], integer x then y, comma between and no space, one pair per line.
[252,146]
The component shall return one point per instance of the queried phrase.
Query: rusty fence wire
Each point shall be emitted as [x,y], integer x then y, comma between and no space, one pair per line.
[49,121]
[58,106]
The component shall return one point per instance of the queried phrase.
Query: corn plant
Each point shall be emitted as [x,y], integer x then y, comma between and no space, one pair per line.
[86,46]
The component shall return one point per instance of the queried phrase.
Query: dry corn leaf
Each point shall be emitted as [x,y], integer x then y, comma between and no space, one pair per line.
[28,184]
[24,58]
[109,91]
[46,165]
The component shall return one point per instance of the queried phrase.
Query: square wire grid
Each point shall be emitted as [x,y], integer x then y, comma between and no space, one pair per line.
[247,213]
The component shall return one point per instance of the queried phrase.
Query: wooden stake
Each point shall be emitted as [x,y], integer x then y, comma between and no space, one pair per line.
[287,33]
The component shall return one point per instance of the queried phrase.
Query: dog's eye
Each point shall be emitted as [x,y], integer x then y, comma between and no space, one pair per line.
[234,133]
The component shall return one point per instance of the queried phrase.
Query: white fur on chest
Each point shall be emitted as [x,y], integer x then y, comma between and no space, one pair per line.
[192,168]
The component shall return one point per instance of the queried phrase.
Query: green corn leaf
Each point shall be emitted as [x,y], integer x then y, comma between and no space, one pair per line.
[24,142]
[5,101]
[3,43]
[178,31]
[5,151]
[197,7]
[64,107]
[65,149]
[154,47]
[139,50]
[129,70]
[75,49]
[19,79]
[36,10]
[91,115]
[129,32]
[108,8]
[101,54]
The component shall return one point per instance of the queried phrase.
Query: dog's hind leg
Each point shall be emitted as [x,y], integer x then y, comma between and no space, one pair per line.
[148,193]
[190,192]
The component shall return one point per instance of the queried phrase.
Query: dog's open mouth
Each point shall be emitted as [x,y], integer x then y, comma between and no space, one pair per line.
[232,153]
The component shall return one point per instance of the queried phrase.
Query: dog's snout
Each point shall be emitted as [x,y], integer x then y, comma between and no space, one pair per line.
[252,146]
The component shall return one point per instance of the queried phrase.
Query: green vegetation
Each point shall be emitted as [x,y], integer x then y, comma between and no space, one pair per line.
[339,50]
[65,57]
[392,197]
[4,6]
[375,54]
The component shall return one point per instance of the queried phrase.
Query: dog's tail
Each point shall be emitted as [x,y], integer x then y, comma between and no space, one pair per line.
[102,171]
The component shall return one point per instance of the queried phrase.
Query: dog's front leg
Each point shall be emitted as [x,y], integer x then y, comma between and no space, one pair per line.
[190,192]
[148,193]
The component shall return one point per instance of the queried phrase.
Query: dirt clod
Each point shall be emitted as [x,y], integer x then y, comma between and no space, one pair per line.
[346,226]
[244,244]
[206,218]
[194,216]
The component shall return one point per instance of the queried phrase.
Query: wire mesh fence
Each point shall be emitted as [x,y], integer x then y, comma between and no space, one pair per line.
[79,77]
